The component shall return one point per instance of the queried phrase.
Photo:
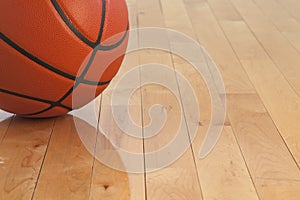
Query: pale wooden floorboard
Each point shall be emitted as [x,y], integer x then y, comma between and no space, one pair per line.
[278,97]
[251,53]
[178,180]
[136,182]
[255,45]
[67,167]
[211,175]
[278,189]
[115,184]
[292,6]
[284,55]
[214,41]
[284,22]
[265,153]
[223,12]
[22,151]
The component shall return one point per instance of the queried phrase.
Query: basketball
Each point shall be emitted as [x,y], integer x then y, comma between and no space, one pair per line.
[51,49]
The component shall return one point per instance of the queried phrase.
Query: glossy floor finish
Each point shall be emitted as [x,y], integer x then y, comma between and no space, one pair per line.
[256,46]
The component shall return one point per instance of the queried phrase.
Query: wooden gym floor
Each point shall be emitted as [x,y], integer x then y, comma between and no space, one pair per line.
[256,46]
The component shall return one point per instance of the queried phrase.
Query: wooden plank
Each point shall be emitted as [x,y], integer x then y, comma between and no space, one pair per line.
[121,140]
[278,189]
[275,174]
[223,174]
[264,150]
[284,55]
[292,6]
[225,163]
[248,113]
[283,21]
[178,180]
[176,17]
[270,163]
[135,189]
[67,167]
[281,101]
[146,16]
[112,181]
[111,184]
[214,41]
[22,151]
[201,58]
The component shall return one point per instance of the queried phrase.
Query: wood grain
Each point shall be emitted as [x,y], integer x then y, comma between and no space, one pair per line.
[179,179]
[264,150]
[67,166]
[277,95]
[282,53]
[223,174]
[22,152]
[225,164]
[214,41]
[278,189]
[282,19]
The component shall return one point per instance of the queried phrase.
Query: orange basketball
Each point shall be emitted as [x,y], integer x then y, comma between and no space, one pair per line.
[51,49]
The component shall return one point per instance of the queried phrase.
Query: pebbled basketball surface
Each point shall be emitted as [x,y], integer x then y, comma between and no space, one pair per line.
[50,49]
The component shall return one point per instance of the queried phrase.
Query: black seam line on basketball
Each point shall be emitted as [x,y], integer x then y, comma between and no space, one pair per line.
[99,48]
[53,106]
[110,47]
[93,83]
[87,67]
[34,98]
[42,111]
[75,30]
[39,112]
[35,59]
[79,80]
[102,23]
[46,109]
[58,103]
[103,48]
[42,63]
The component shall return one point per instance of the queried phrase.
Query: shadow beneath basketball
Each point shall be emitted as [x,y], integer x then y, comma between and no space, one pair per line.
[46,158]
